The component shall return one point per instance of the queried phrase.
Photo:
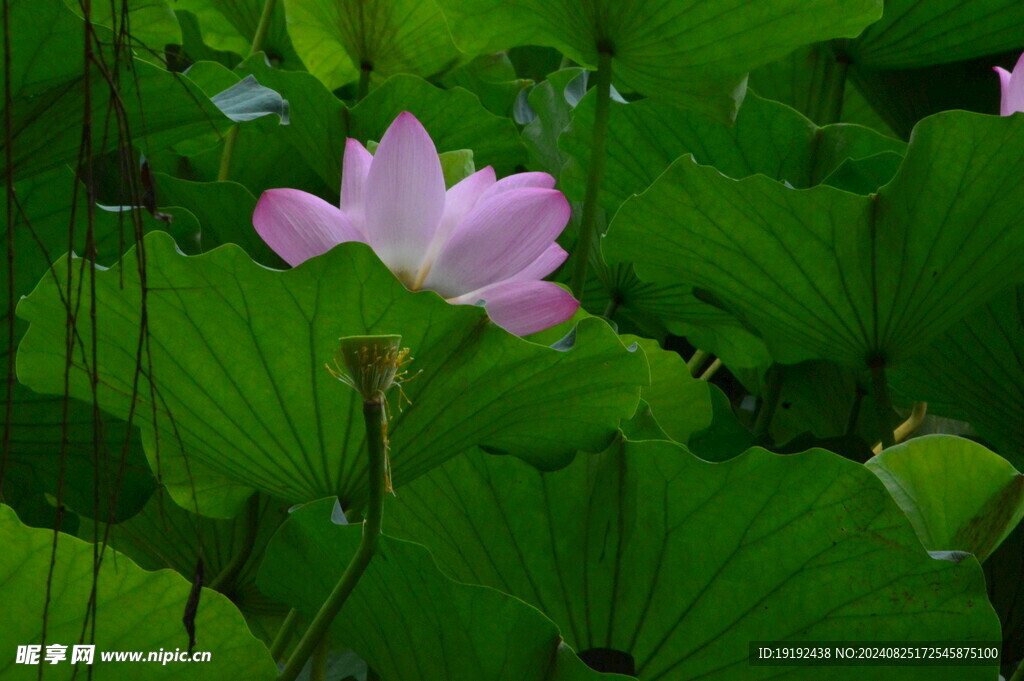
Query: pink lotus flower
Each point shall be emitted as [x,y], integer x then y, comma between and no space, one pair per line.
[484,241]
[1012,87]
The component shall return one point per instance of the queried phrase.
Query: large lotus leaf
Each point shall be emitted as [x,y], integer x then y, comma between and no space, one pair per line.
[236,369]
[959,495]
[913,33]
[822,273]
[320,122]
[680,563]
[767,138]
[134,610]
[337,40]
[406,619]
[231,25]
[690,52]
[48,94]
[975,372]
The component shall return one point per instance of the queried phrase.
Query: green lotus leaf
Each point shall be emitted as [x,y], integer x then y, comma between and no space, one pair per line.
[692,52]
[235,378]
[134,610]
[959,495]
[403,603]
[338,40]
[767,138]
[680,563]
[822,273]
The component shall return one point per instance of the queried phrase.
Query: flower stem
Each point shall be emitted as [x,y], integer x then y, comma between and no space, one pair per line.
[913,422]
[696,362]
[261,28]
[225,581]
[880,391]
[364,81]
[599,142]
[224,171]
[373,415]
[318,670]
[907,428]
[284,634]
[711,370]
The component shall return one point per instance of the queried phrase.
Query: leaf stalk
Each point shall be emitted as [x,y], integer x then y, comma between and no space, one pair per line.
[284,634]
[225,581]
[883,405]
[374,415]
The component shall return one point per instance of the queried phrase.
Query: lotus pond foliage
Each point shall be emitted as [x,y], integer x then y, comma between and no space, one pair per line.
[510,340]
